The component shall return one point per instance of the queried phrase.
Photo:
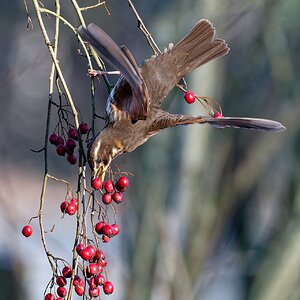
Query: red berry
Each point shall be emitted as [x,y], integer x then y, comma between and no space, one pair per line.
[79,290]
[72,133]
[92,250]
[106,198]
[218,115]
[103,263]
[60,140]
[27,231]
[109,186]
[61,281]
[101,254]
[117,197]
[108,288]
[67,272]
[61,291]
[69,151]
[93,269]
[60,150]
[105,238]
[107,230]
[71,209]
[63,206]
[189,97]
[97,183]
[79,248]
[94,292]
[119,188]
[86,254]
[50,296]
[53,139]
[71,144]
[72,159]
[74,201]
[84,128]
[100,268]
[123,182]
[116,229]
[92,283]
[99,226]
[78,281]
[99,279]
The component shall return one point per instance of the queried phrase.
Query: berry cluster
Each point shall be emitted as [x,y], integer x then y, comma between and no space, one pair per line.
[93,272]
[112,192]
[91,275]
[68,146]
[69,207]
[87,275]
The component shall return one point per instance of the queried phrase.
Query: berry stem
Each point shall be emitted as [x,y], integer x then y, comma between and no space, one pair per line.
[42,230]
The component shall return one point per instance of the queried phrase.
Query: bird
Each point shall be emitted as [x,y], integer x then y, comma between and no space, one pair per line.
[133,108]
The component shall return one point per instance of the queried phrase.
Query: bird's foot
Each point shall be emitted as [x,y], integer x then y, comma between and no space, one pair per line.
[96,73]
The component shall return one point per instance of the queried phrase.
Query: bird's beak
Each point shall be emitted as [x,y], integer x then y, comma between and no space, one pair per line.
[100,172]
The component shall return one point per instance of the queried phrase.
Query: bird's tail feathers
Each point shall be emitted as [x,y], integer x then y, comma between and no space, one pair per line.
[198,47]
[247,123]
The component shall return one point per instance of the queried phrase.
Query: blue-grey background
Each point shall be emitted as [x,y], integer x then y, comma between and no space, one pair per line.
[209,214]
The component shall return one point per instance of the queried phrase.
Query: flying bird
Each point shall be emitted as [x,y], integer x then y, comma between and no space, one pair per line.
[133,110]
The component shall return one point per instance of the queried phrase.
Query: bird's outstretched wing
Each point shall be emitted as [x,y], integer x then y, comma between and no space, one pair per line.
[133,103]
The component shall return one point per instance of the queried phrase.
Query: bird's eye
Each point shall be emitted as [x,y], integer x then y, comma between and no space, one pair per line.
[98,161]
[105,162]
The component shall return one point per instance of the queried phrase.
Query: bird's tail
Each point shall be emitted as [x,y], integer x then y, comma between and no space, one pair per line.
[166,120]
[247,123]
[198,47]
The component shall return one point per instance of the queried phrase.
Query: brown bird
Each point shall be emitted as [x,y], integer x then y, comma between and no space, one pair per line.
[133,110]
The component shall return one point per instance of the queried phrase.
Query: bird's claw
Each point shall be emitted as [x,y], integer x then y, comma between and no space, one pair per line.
[94,73]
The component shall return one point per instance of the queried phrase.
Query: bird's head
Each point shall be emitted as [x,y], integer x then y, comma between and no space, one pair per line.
[100,154]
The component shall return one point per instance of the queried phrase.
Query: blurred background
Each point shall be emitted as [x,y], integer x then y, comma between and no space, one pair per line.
[210,214]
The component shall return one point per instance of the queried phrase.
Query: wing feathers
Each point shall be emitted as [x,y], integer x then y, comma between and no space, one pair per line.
[123,61]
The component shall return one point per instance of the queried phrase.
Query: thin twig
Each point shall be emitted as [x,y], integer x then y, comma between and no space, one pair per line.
[144,29]
[29,21]
[92,6]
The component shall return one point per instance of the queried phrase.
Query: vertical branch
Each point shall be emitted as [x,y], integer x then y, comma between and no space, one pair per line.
[44,185]
[57,67]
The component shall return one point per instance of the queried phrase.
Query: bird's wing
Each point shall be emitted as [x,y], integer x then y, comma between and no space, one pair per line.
[198,47]
[134,104]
